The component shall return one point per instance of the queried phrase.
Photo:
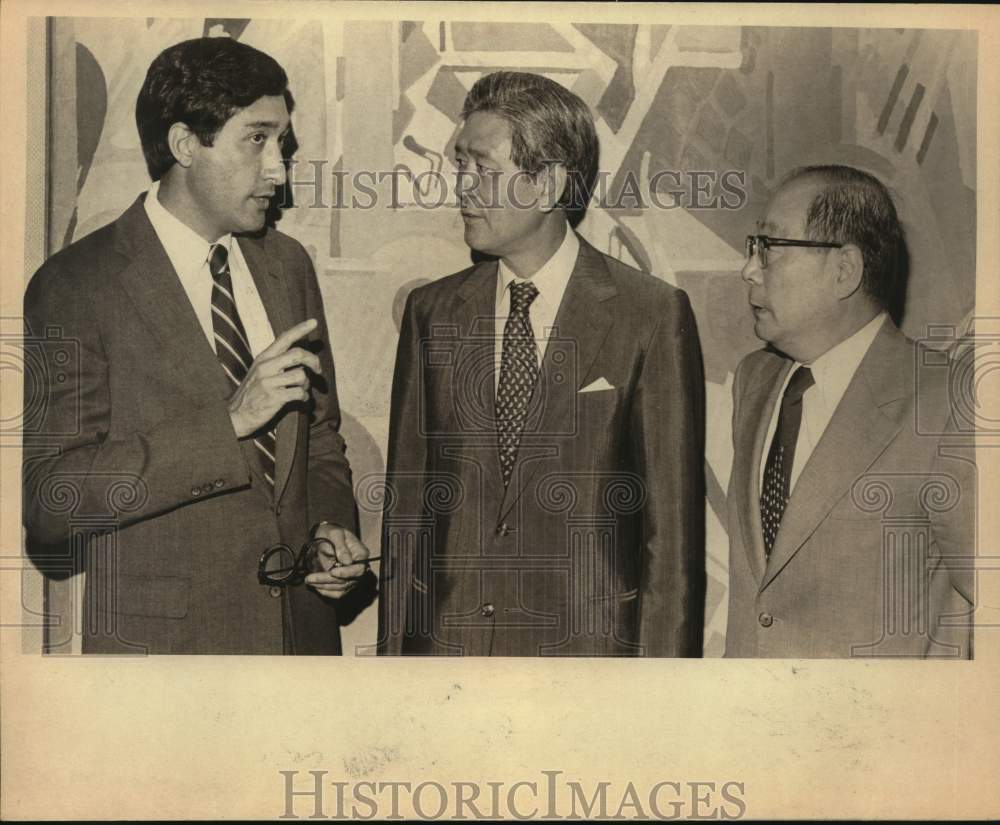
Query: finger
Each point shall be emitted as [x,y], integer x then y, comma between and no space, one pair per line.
[292,378]
[342,554]
[330,583]
[286,395]
[294,357]
[349,571]
[326,581]
[289,337]
[322,555]
[326,593]
[359,552]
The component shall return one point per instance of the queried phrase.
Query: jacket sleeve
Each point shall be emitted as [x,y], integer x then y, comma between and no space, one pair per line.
[668,429]
[331,491]
[406,466]
[952,507]
[73,466]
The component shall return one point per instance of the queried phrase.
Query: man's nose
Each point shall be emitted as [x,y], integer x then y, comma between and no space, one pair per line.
[274,164]
[466,186]
[751,272]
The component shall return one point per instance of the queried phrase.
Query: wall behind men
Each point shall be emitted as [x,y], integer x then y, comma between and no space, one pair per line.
[710,117]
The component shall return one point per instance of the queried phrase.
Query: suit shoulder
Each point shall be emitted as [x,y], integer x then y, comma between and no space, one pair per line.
[646,295]
[442,289]
[941,377]
[753,364]
[449,282]
[76,270]
[282,246]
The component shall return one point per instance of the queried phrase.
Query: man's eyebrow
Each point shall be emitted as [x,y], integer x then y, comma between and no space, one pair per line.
[264,124]
[462,149]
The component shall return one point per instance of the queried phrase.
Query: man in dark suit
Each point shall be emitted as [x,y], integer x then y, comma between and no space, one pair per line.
[193,433]
[545,485]
[852,495]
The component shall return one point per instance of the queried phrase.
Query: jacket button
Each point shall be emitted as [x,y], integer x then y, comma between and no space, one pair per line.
[488,610]
[275,591]
[765,619]
[196,491]
[219,482]
[503,530]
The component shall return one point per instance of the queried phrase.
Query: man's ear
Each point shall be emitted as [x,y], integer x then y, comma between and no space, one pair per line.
[850,269]
[553,178]
[181,141]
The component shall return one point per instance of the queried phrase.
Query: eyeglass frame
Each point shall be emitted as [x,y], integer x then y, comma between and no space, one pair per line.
[300,567]
[761,243]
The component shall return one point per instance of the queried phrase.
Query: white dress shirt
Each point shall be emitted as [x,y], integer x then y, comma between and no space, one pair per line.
[550,280]
[831,372]
[188,253]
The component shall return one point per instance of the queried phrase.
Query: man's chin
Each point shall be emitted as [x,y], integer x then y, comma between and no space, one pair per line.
[253,223]
[760,329]
[475,240]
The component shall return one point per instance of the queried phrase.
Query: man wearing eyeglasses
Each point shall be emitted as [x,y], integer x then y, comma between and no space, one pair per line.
[851,500]
[198,428]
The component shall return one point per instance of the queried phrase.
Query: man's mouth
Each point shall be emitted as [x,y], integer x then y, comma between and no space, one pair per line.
[263,200]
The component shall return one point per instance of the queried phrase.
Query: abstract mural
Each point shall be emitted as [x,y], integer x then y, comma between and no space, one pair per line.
[707,119]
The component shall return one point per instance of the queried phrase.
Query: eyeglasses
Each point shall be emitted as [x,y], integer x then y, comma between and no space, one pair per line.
[759,244]
[280,566]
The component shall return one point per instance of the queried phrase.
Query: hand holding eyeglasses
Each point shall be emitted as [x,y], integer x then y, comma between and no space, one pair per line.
[342,559]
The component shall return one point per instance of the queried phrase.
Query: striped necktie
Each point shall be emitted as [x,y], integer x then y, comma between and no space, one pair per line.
[232,345]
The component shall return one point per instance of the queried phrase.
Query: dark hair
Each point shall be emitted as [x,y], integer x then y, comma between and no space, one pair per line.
[201,83]
[547,123]
[855,207]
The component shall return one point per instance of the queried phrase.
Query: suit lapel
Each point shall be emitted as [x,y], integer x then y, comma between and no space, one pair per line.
[758,407]
[474,369]
[863,425]
[158,295]
[582,323]
[268,276]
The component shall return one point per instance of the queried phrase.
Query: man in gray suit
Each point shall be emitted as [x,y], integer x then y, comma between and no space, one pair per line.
[852,495]
[545,491]
[192,434]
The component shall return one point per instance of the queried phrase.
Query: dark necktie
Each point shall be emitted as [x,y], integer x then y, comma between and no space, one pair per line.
[518,374]
[232,345]
[781,456]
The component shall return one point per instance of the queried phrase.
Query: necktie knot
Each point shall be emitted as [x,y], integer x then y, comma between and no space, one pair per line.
[218,259]
[801,380]
[522,293]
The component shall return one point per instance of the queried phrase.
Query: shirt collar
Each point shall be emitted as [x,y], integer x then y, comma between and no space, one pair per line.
[186,249]
[835,368]
[554,274]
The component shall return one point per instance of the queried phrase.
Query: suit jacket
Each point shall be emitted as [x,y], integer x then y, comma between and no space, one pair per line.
[132,471]
[873,556]
[597,545]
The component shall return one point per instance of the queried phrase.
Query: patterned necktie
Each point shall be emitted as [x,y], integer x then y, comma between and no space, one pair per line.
[232,345]
[518,374]
[781,456]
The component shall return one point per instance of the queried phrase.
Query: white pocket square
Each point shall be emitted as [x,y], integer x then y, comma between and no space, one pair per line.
[597,386]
